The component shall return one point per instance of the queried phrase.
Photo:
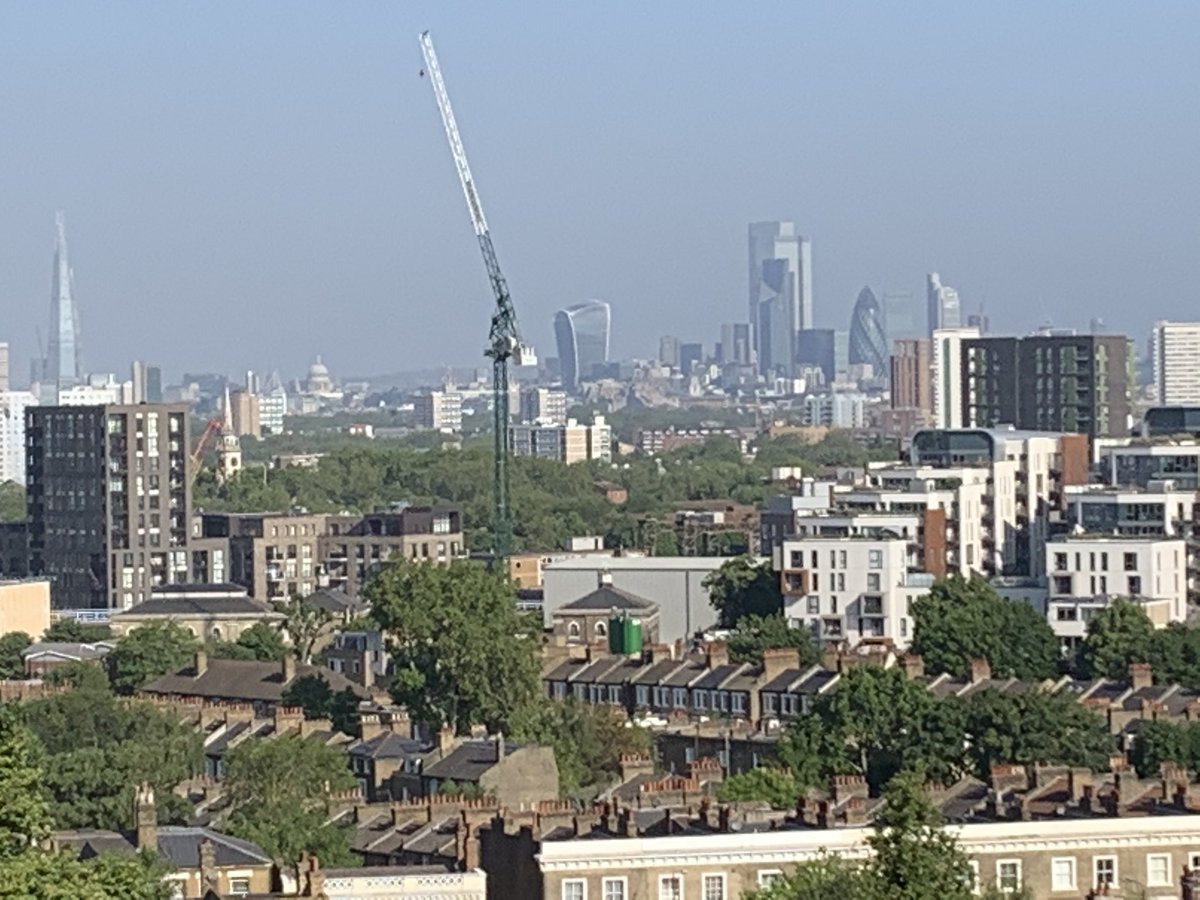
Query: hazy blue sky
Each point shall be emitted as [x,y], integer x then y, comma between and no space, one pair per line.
[252,183]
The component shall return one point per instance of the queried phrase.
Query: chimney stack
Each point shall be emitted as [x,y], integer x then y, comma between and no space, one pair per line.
[1140,676]
[145,817]
[289,667]
[445,740]
[499,746]
[981,670]
[604,578]
[200,663]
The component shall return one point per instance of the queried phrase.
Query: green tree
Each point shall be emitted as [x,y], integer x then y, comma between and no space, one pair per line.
[754,634]
[24,806]
[12,645]
[79,675]
[1159,742]
[963,619]
[314,695]
[305,624]
[264,642]
[99,746]
[1118,635]
[278,792]
[39,875]
[72,631]
[12,502]
[824,878]
[462,653]
[149,652]
[588,742]
[1175,655]
[743,587]
[777,787]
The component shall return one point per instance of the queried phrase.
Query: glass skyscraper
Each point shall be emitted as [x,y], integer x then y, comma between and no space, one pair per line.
[781,304]
[581,332]
[868,343]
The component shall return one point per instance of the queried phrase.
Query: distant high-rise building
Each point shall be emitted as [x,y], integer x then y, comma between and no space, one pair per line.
[902,319]
[947,375]
[781,300]
[582,334]
[146,381]
[1067,383]
[64,366]
[981,321]
[690,356]
[570,442]
[539,404]
[668,351]
[243,418]
[942,305]
[868,343]
[3,366]
[1175,360]
[911,375]
[12,434]
[126,528]
[816,347]
[841,353]
[736,344]
[272,405]
[439,410]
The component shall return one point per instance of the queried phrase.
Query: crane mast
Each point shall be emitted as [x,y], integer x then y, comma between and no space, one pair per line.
[504,339]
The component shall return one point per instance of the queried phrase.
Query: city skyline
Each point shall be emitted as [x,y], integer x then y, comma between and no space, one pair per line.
[332,148]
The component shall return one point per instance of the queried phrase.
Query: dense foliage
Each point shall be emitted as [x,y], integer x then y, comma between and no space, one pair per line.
[259,642]
[12,502]
[462,652]
[72,631]
[149,652]
[963,619]
[11,647]
[1118,635]
[741,587]
[1159,742]
[24,805]
[754,634]
[278,792]
[313,694]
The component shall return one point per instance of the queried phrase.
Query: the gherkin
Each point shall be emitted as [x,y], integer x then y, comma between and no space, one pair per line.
[867,341]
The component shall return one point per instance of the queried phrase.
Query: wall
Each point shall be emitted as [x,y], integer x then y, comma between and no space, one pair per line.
[25,606]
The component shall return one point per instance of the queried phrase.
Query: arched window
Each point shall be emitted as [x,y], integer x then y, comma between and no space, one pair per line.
[215,634]
[573,629]
[601,629]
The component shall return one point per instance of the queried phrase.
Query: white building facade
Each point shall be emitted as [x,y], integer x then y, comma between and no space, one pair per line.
[947,375]
[12,434]
[1175,353]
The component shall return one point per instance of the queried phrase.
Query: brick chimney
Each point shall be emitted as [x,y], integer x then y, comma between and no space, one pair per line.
[312,878]
[843,787]
[289,667]
[914,665]
[634,764]
[716,654]
[775,662]
[1140,676]
[145,817]
[446,738]
[209,876]
[200,662]
[1009,778]
[981,670]
[369,726]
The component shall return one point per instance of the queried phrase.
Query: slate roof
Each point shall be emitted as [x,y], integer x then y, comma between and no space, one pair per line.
[468,761]
[68,650]
[242,680]
[389,745]
[178,845]
[606,597]
[198,605]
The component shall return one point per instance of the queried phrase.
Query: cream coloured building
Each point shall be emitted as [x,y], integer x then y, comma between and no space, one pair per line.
[25,607]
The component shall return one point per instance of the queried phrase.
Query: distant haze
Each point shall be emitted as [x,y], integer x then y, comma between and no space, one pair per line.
[250,184]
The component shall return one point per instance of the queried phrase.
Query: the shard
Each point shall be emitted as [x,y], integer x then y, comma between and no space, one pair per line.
[64,366]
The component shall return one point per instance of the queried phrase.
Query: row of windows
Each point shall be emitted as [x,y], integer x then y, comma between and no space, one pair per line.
[670,887]
[837,560]
[1065,872]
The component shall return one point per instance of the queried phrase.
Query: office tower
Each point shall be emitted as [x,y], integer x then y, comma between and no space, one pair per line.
[544,405]
[981,321]
[438,410]
[581,332]
[3,366]
[147,383]
[736,344]
[243,417]
[570,442]
[272,405]
[109,501]
[942,306]
[1175,359]
[1066,383]
[63,367]
[911,375]
[781,301]
[12,434]
[902,319]
[668,351]
[841,353]
[815,347]
[868,344]
[948,375]
[690,357]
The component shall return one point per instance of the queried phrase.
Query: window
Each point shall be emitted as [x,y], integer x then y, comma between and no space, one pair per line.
[713,887]
[643,695]
[812,605]
[574,889]
[1060,562]
[1130,562]
[1008,874]
[974,876]
[814,560]
[873,581]
[842,559]
[841,581]
[875,559]
[768,877]
[1104,870]
[615,889]
[739,703]
[680,698]
[1062,874]
[769,704]
[670,887]
[700,699]
[239,885]
[833,559]
[1135,584]
[1158,870]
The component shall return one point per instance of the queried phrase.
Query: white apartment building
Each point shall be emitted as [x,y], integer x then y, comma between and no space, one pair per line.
[543,406]
[840,409]
[850,588]
[1175,352]
[12,434]
[947,375]
[569,443]
[1137,464]
[1087,571]
[439,411]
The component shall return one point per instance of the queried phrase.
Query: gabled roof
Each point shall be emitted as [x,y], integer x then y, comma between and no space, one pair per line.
[67,650]
[468,761]
[605,598]
[178,846]
[390,745]
[198,605]
[242,680]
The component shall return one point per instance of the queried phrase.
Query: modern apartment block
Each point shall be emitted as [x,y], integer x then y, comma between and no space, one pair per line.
[273,555]
[569,443]
[1175,353]
[12,434]
[947,386]
[108,498]
[1064,383]
[439,410]
[1139,464]
[353,547]
[543,406]
[912,376]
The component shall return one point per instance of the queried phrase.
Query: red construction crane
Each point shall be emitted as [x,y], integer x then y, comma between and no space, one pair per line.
[211,429]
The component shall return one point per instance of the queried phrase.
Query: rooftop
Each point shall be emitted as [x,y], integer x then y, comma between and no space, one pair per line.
[607,597]
[242,680]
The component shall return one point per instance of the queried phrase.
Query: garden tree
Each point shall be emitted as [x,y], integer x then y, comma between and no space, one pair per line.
[466,790]
[305,625]
[319,701]
[1118,635]
[1174,655]
[72,631]
[263,641]
[12,502]
[462,653]
[1033,727]
[11,647]
[963,619]
[777,787]
[98,747]
[24,806]
[742,587]
[149,652]
[588,742]
[41,875]
[1158,742]
[228,650]
[80,675]
[278,792]
[754,634]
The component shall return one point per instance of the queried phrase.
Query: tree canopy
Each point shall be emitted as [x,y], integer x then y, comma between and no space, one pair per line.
[278,792]
[744,586]
[12,502]
[259,642]
[463,654]
[72,631]
[11,647]
[1118,635]
[24,807]
[963,619]
[149,652]
[754,634]
[313,694]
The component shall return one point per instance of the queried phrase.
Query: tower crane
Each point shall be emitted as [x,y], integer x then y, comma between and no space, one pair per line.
[504,339]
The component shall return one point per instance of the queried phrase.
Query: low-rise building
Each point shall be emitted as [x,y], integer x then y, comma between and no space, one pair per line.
[211,612]
[273,555]
[571,442]
[589,618]
[43,657]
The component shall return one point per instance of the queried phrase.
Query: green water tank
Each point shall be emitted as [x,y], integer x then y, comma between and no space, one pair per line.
[624,635]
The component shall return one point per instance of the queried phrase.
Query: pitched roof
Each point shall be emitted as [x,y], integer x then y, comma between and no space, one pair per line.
[607,597]
[389,745]
[468,761]
[242,680]
[67,650]
[178,845]
[198,605]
